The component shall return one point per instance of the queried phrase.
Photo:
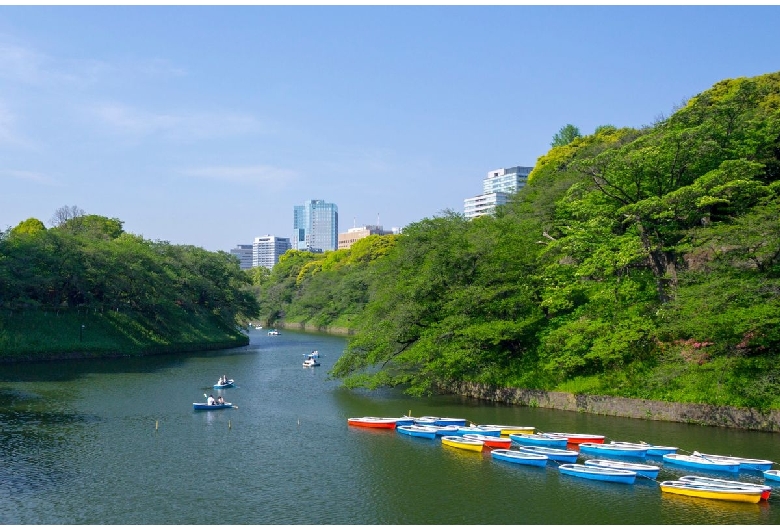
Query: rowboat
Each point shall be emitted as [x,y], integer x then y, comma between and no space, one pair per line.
[767,490]
[652,450]
[519,457]
[310,362]
[445,430]
[405,420]
[506,430]
[492,442]
[614,450]
[462,430]
[711,491]
[460,442]
[553,453]
[772,474]
[598,473]
[641,470]
[539,439]
[372,421]
[419,431]
[228,384]
[435,420]
[697,462]
[206,406]
[744,463]
[574,438]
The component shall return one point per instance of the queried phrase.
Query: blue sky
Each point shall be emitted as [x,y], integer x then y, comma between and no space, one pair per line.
[205,125]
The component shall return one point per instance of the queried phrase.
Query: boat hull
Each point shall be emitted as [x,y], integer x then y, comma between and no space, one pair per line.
[539,439]
[692,462]
[478,430]
[491,442]
[552,453]
[206,406]
[460,442]
[772,474]
[229,384]
[615,451]
[519,457]
[417,431]
[375,423]
[598,473]
[766,490]
[745,464]
[574,438]
[506,430]
[711,492]
[641,470]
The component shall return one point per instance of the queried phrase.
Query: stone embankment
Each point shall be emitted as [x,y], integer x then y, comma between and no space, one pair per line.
[303,326]
[712,415]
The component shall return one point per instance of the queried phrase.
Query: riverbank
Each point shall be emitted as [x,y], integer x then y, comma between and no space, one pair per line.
[693,413]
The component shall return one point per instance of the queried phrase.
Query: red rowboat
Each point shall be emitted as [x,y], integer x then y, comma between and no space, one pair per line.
[371,421]
[579,438]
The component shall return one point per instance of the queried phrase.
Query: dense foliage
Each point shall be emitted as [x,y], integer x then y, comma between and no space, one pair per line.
[143,295]
[636,262]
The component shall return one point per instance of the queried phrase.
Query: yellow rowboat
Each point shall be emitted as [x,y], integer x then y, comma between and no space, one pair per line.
[712,491]
[459,442]
[506,430]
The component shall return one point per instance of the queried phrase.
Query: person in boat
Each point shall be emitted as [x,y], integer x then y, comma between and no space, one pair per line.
[210,400]
[220,400]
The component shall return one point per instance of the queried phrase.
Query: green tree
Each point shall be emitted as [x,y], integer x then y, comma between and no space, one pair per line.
[566,135]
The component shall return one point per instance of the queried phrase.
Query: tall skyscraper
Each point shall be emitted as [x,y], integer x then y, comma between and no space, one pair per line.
[268,249]
[316,226]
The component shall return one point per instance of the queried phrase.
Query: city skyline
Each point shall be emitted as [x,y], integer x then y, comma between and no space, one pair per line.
[204,125]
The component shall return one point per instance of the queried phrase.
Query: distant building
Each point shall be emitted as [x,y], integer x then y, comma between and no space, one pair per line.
[315,226]
[496,189]
[348,238]
[244,255]
[267,250]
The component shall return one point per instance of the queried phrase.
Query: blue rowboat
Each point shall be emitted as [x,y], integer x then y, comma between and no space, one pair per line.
[446,430]
[450,421]
[552,453]
[540,439]
[697,462]
[478,430]
[598,473]
[206,406]
[418,431]
[652,450]
[772,474]
[641,470]
[404,420]
[230,383]
[614,450]
[745,464]
[519,457]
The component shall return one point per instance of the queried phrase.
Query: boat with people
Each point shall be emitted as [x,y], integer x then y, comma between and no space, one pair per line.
[578,438]
[613,450]
[604,474]
[373,422]
[712,491]
[224,383]
[745,464]
[310,361]
[767,490]
[641,470]
[519,457]
[540,439]
[418,431]
[273,332]
[459,442]
[697,462]
[215,406]
[652,450]
[552,453]
[492,442]
[506,430]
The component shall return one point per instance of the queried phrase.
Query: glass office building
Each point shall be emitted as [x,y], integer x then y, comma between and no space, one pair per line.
[316,226]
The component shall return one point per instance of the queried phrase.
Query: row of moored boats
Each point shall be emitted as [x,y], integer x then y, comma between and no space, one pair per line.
[526,446]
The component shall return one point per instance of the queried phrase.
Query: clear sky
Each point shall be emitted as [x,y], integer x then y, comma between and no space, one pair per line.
[205,125]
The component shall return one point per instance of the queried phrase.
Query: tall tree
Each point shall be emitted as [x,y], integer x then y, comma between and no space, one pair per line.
[566,135]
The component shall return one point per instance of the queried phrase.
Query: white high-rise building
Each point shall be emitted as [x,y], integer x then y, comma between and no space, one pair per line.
[496,189]
[266,250]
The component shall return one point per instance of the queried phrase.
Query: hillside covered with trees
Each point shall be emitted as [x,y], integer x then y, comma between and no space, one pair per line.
[636,262]
[85,287]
